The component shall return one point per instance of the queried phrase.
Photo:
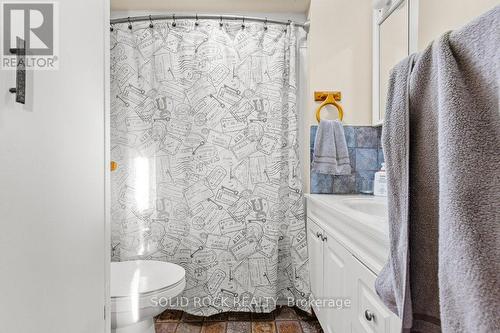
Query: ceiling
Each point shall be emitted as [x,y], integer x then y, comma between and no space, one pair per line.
[211,6]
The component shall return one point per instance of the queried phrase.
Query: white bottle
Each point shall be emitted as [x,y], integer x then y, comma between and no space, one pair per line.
[380,182]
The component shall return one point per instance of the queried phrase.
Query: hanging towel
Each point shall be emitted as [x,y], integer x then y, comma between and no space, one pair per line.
[441,136]
[392,284]
[330,154]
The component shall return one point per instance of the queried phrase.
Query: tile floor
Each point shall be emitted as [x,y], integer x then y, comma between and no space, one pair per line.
[282,320]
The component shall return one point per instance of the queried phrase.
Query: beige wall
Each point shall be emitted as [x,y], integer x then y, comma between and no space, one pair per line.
[438,16]
[339,58]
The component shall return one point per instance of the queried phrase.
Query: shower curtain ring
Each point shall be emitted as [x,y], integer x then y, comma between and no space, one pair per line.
[220,23]
[129,23]
[243,24]
[196,22]
[265,24]
[111,27]
[173,19]
[150,22]
[286,26]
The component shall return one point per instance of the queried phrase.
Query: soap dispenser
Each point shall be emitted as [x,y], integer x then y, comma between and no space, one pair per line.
[380,182]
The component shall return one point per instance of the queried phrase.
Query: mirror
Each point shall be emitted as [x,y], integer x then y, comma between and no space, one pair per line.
[391,45]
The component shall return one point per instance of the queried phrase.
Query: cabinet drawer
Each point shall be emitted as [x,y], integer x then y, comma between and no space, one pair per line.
[370,314]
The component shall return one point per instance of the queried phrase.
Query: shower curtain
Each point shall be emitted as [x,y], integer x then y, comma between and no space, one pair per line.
[204,132]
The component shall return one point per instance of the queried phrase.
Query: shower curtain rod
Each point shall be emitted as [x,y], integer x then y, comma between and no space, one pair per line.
[304,25]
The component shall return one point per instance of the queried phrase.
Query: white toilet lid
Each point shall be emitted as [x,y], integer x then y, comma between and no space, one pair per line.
[143,276]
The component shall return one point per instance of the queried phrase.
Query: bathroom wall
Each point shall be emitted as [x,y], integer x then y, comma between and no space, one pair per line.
[366,157]
[436,17]
[219,6]
[339,58]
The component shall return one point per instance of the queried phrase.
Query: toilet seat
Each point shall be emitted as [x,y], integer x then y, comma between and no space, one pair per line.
[143,276]
[143,301]
[141,290]
[137,284]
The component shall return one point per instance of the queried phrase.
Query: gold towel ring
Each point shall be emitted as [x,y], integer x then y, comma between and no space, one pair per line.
[330,100]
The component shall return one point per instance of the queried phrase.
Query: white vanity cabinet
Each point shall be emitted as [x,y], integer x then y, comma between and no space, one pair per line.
[343,268]
[330,277]
[315,250]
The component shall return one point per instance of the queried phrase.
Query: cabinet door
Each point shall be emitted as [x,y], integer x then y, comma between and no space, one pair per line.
[336,285]
[370,315]
[315,248]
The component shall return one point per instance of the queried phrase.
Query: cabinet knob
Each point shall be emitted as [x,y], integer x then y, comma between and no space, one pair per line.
[369,315]
[318,234]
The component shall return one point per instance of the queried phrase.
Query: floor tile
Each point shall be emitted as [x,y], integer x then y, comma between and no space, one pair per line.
[311,327]
[186,317]
[218,317]
[282,320]
[194,327]
[263,327]
[239,327]
[260,316]
[169,315]
[285,313]
[288,326]
[303,315]
[214,327]
[239,316]
[165,327]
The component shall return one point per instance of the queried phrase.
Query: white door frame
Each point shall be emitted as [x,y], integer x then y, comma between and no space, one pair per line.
[107,176]
[377,19]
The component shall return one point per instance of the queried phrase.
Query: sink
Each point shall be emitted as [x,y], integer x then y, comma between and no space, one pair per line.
[368,208]
[359,220]
[372,206]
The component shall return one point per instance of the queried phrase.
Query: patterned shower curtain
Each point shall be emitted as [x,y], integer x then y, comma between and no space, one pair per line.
[204,132]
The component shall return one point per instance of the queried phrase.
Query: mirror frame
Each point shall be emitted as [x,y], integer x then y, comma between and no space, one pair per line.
[379,16]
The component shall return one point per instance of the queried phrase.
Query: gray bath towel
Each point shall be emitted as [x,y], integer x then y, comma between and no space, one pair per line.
[441,138]
[330,154]
[392,284]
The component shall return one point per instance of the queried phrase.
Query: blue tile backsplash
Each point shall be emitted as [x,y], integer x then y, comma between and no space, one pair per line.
[366,159]
[367,137]
[365,153]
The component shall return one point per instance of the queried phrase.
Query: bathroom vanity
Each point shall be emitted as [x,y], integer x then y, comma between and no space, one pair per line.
[348,245]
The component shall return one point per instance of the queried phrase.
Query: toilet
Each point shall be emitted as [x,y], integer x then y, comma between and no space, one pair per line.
[140,290]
